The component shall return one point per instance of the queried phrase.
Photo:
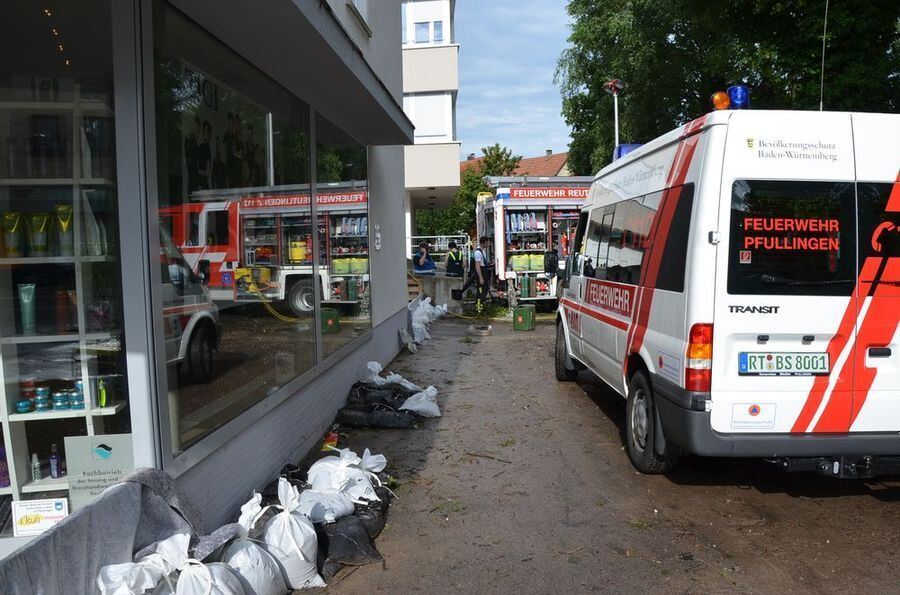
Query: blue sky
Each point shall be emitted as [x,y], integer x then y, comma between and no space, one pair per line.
[507,57]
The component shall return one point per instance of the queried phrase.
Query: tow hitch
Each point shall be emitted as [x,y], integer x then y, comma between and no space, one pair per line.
[851,467]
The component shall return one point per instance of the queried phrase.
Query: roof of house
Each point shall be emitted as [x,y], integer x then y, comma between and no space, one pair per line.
[545,165]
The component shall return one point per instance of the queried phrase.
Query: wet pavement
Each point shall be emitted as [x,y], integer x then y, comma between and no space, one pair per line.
[524,486]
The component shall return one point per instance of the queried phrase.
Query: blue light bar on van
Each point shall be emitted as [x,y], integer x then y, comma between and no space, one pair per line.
[624,149]
[739,96]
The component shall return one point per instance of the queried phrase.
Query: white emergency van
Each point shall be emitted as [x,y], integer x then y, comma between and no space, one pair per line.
[737,280]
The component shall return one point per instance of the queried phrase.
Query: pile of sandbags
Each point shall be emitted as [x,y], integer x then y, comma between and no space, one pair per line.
[288,542]
[423,314]
[387,402]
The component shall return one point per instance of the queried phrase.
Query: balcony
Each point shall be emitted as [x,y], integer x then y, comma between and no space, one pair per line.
[430,68]
[432,173]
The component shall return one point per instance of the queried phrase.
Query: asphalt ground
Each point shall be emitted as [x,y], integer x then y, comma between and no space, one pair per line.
[524,486]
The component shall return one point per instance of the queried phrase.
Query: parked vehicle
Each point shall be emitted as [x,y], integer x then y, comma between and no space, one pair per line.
[191,318]
[737,280]
[531,224]
[259,246]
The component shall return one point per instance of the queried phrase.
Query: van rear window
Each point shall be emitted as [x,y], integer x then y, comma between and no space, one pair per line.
[792,238]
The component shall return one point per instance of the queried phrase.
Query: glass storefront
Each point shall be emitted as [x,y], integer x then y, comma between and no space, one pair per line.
[62,349]
[342,200]
[247,277]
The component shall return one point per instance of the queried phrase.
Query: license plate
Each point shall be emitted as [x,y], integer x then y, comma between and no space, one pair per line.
[783,364]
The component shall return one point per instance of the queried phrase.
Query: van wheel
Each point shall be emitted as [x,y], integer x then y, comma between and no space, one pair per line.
[640,429]
[563,374]
[200,355]
[302,298]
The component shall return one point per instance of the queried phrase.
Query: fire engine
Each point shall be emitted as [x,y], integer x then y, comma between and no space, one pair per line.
[531,225]
[258,245]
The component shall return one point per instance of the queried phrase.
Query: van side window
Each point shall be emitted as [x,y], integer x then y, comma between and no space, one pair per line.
[674,256]
[578,256]
[592,244]
[628,240]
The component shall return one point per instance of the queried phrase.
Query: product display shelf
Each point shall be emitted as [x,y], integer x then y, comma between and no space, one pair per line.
[7,491]
[530,232]
[45,484]
[87,284]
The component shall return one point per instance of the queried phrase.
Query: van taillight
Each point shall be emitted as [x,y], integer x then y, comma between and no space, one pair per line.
[698,368]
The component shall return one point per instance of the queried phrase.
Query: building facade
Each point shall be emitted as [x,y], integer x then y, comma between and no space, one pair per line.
[430,87]
[202,240]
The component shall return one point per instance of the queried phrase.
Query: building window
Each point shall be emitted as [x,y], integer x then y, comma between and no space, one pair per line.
[342,199]
[403,23]
[438,31]
[422,32]
[237,286]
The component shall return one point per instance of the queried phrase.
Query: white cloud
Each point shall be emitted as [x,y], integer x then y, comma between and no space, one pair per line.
[508,55]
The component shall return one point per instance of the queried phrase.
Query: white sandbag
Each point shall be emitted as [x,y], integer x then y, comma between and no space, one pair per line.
[344,474]
[374,371]
[135,578]
[372,463]
[423,403]
[291,539]
[394,378]
[322,504]
[257,570]
[197,578]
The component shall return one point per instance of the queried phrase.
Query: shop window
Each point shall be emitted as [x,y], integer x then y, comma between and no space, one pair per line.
[422,32]
[62,349]
[342,203]
[243,264]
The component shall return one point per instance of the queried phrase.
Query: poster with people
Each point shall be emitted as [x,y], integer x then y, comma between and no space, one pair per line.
[223,136]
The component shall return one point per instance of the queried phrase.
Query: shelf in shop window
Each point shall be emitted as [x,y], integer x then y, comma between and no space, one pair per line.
[46,484]
[349,235]
[533,231]
[43,415]
[7,491]
[338,255]
[56,182]
[527,250]
[31,260]
[340,301]
[110,409]
[545,296]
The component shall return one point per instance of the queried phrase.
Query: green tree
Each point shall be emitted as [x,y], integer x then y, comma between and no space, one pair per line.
[459,217]
[673,54]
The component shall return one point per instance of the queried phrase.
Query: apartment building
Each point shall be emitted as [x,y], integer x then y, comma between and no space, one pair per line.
[430,86]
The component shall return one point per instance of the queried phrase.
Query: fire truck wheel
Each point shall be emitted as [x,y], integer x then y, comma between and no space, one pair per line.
[302,298]
[200,355]
[563,374]
[640,429]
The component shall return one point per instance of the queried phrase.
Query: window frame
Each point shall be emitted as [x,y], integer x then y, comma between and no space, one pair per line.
[435,27]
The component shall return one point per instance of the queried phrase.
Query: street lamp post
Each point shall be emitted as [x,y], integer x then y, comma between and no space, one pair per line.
[614,87]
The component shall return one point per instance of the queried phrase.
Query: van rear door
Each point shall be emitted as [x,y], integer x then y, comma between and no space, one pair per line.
[876,384]
[785,275]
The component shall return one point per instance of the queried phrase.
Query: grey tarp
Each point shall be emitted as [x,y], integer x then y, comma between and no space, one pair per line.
[143,508]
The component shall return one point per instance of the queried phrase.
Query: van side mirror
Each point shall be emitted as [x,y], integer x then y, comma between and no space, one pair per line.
[203,271]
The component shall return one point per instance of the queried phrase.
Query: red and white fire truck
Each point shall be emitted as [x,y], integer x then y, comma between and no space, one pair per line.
[258,244]
[531,224]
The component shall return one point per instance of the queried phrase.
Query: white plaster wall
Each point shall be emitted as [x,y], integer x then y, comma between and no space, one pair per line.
[428,11]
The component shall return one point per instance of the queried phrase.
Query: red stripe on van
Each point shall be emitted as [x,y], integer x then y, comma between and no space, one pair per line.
[659,231]
[619,324]
[876,329]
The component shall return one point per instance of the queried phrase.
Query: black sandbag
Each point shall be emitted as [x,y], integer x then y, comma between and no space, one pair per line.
[387,418]
[368,396]
[374,514]
[345,542]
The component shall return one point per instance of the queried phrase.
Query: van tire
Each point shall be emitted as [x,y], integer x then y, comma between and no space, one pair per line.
[641,427]
[560,355]
[302,297]
[200,355]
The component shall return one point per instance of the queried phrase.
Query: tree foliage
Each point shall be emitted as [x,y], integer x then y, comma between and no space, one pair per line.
[673,54]
[459,217]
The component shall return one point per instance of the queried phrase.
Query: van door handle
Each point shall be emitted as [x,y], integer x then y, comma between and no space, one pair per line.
[879,352]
